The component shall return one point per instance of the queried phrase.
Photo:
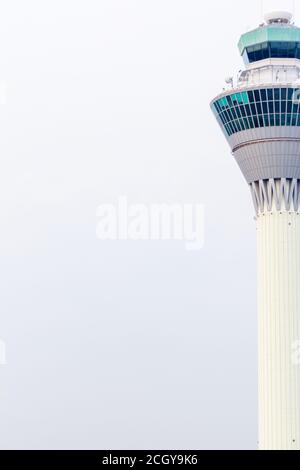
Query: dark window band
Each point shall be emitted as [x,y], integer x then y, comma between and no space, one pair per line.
[274,49]
[258,108]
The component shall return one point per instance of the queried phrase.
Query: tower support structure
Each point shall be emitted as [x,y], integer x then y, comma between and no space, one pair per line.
[278,257]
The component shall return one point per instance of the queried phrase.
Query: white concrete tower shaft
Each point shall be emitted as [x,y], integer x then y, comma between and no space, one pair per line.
[278,256]
[260,117]
[278,240]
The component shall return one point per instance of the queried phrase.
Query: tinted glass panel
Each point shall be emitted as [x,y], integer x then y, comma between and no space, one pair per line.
[258,108]
[273,49]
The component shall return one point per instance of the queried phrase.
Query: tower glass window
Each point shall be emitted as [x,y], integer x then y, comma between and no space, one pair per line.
[272,49]
[258,108]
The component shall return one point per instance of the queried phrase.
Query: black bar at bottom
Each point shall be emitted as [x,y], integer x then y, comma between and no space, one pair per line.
[137,459]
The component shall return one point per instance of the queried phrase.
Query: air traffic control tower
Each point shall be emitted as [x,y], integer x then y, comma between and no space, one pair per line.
[260,118]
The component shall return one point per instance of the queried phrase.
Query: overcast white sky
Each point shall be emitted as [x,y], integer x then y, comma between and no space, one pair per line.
[132,344]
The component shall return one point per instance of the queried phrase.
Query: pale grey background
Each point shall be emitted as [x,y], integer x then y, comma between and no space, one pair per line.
[122,345]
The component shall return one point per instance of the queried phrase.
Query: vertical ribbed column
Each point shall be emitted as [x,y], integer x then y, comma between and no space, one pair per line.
[278,240]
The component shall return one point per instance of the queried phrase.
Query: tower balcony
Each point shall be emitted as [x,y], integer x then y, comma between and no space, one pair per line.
[262,127]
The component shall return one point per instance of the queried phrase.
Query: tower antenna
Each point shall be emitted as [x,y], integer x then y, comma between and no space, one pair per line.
[294,8]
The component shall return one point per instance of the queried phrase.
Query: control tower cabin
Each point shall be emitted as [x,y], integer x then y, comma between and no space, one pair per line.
[260,118]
